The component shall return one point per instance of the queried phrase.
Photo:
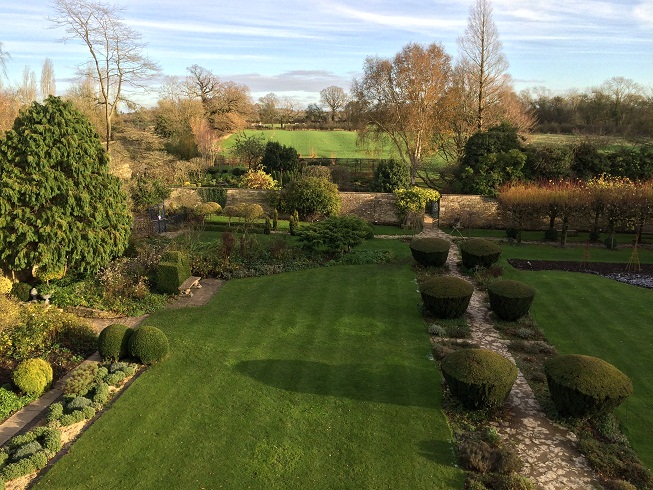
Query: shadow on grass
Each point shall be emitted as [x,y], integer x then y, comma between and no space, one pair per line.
[389,384]
[434,449]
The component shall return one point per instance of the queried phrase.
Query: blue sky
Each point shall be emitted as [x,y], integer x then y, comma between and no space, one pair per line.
[298,47]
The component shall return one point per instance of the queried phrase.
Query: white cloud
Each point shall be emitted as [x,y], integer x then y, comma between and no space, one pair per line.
[643,12]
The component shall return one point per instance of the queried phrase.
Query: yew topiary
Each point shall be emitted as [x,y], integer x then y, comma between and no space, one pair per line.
[32,376]
[479,252]
[149,344]
[583,386]
[509,299]
[479,378]
[446,296]
[430,251]
[113,342]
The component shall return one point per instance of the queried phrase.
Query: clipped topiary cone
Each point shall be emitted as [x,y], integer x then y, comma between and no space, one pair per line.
[430,251]
[509,299]
[583,386]
[446,296]
[479,378]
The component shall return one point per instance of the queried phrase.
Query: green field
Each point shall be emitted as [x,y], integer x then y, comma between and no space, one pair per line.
[587,314]
[312,379]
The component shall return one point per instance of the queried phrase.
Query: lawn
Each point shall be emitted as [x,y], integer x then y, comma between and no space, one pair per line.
[313,379]
[587,314]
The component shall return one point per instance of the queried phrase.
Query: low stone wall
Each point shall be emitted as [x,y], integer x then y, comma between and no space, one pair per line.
[472,211]
[372,206]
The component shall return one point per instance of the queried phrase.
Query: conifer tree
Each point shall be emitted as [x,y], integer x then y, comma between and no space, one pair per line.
[60,209]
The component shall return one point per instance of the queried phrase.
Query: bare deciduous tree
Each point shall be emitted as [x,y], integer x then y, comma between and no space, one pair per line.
[483,59]
[227,105]
[268,107]
[115,48]
[407,100]
[27,90]
[48,84]
[4,56]
[334,97]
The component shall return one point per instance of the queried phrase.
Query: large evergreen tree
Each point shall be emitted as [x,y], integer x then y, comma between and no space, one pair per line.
[59,206]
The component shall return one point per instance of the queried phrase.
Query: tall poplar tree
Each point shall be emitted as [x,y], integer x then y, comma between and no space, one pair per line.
[60,209]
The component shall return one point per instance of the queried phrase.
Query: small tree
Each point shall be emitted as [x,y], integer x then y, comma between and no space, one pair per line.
[411,202]
[59,206]
[249,149]
[257,179]
[310,197]
[390,175]
[280,158]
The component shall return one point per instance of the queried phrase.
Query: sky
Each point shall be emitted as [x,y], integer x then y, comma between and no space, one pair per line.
[296,48]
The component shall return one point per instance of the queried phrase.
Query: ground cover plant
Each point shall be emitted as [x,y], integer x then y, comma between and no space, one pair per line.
[324,383]
[591,315]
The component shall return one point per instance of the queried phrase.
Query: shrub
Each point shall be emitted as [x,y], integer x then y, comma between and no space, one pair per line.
[78,403]
[336,234]
[101,394]
[479,378]
[479,252]
[80,380]
[510,300]
[10,402]
[171,272]
[583,386]
[33,376]
[10,312]
[113,342]
[257,179]
[149,344]
[55,411]
[413,200]
[20,291]
[114,379]
[76,334]
[390,175]
[5,284]
[430,251]
[446,296]
[310,196]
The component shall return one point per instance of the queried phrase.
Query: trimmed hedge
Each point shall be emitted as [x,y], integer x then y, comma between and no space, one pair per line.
[113,342]
[479,252]
[509,299]
[172,271]
[430,251]
[149,344]
[33,376]
[446,296]
[584,386]
[479,378]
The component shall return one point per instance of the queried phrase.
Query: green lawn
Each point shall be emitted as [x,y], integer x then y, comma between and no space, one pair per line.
[314,379]
[587,314]
[321,144]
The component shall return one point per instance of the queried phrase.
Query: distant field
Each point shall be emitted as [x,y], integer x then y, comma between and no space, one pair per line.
[318,144]
[571,139]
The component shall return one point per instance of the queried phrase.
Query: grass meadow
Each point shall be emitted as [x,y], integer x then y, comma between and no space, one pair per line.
[311,379]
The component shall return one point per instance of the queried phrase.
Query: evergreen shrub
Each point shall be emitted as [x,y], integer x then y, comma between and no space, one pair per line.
[80,380]
[479,252]
[113,342]
[479,378]
[149,344]
[430,251]
[32,376]
[172,271]
[446,296]
[584,386]
[20,291]
[509,299]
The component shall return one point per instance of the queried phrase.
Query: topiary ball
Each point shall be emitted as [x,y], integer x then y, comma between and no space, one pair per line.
[583,386]
[430,251]
[446,296]
[510,300]
[149,344]
[113,342]
[479,252]
[479,378]
[32,376]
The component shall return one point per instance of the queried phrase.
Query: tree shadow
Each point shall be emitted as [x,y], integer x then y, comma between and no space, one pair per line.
[383,383]
[434,450]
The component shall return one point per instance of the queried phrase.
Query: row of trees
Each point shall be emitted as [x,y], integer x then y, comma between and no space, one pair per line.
[618,106]
[602,204]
